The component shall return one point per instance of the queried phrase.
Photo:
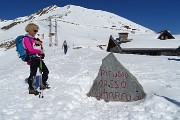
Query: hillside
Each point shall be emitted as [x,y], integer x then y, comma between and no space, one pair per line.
[73,20]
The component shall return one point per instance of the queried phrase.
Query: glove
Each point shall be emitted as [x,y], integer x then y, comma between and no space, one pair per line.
[42,56]
[37,39]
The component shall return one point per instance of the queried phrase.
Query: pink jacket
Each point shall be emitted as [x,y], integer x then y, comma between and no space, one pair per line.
[29,46]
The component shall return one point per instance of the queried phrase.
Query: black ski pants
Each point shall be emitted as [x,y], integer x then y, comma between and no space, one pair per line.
[65,49]
[34,65]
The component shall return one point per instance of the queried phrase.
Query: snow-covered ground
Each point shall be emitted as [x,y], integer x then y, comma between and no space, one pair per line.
[72,75]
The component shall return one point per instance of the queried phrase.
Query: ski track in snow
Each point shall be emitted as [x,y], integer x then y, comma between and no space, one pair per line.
[71,77]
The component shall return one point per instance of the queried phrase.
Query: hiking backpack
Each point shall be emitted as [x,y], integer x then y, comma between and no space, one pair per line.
[21,50]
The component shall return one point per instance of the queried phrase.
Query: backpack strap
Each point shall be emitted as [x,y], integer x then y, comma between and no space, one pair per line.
[33,55]
[29,39]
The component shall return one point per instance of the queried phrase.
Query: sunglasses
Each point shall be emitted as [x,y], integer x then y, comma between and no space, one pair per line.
[35,30]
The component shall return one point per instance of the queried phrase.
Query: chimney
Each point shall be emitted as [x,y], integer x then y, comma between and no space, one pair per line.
[123,36]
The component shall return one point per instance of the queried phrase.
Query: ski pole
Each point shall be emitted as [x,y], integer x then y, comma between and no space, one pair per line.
[40,86]
[40,67]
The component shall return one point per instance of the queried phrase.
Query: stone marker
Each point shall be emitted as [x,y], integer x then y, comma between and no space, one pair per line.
[115,83]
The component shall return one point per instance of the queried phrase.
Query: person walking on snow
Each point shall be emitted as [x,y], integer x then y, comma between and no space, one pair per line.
[65,47]
[35,52]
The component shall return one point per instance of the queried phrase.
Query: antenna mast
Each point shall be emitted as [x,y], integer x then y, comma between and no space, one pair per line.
[56,36]
[50,34]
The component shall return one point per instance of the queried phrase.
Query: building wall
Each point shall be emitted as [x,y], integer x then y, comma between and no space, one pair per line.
[123,36]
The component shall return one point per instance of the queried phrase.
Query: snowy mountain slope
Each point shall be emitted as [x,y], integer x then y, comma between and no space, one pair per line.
[71,77]
[27,18]
[80,15]
[93,19]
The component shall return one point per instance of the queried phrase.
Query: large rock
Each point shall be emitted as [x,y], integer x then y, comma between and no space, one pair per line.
[115,83]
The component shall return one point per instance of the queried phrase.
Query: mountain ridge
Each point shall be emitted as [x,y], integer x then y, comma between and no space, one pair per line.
[79,15]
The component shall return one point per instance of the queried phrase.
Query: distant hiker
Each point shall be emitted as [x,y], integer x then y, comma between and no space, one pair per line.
[65,46]
[35,51]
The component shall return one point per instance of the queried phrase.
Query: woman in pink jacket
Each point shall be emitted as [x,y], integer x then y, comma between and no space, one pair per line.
[30,43]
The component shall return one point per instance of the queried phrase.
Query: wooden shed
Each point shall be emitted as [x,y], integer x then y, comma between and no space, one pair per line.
[165,35]
[113,45]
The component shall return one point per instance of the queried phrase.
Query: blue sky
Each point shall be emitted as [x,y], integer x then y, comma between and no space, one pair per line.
[156,15]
